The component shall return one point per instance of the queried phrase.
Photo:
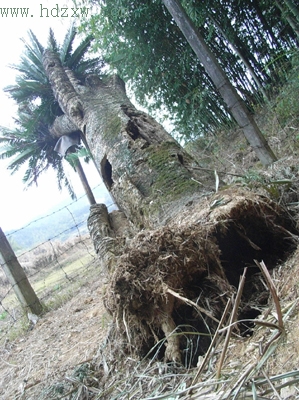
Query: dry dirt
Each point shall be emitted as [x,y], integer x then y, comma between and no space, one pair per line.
[61,340]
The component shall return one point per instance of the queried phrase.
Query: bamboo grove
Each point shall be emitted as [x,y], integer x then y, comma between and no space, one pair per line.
[253,40]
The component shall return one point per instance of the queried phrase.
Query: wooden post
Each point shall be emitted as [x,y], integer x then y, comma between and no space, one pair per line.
[84,182]
[17,278]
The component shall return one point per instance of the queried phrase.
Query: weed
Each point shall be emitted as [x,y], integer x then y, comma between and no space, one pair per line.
[18,329]
[82,372]
[3,315]
[57,287]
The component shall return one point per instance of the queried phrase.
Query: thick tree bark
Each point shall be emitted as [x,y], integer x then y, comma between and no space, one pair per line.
[63,89]
[62,126]
[234,102]
[63,84]
[147,172]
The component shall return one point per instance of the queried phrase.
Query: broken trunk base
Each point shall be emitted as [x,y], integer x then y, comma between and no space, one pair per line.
[168,290]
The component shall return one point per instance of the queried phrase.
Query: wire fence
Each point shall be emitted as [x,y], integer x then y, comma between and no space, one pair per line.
[57,255]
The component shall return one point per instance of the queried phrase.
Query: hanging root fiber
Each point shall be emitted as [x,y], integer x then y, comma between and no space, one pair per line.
[168,290]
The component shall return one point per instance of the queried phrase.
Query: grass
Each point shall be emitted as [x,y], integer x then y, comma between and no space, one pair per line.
[3,315]
[59,286]
[64,273]
[214,378]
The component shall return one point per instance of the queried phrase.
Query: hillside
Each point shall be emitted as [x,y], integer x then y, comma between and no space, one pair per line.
[74,352]
[68,215]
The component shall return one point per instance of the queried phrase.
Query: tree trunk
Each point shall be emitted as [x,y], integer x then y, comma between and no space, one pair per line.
[62,126]
[63,88]
[146,171]
[234,102]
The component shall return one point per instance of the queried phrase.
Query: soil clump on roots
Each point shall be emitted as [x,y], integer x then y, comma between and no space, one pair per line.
[169,288]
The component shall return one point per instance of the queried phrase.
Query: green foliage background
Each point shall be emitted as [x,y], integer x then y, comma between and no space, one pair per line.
[143,44]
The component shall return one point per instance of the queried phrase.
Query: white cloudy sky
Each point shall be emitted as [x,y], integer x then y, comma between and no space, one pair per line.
[17,207]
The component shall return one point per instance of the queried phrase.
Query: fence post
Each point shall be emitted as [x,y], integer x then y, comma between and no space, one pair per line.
[17,277]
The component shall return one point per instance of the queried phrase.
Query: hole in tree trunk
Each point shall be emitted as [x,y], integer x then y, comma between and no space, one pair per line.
[106,170]
[181,159]
[132,130]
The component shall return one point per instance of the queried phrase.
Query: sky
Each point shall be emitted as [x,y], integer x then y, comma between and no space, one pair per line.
[19,206]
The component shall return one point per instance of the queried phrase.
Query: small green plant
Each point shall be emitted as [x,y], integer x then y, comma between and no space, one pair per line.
[253,178]
[18,328]
[3,315]
[56,288]
[82,372]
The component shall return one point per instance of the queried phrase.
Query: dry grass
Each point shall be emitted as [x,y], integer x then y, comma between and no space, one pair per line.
[56,272]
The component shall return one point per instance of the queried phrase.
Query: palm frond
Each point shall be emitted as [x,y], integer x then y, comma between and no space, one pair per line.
[52,42]
[67,45]
[20,159]
[7,152]
[39,48]
[74,60]
[32,57]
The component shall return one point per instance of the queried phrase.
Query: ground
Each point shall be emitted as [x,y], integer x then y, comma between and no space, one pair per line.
[61,340]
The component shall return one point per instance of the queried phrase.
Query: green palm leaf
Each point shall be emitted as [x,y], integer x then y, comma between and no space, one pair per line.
[67,45]
[30,143]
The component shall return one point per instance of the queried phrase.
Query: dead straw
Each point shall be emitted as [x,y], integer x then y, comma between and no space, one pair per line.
[232,319]
[191,303]
[273,291]
[212,345]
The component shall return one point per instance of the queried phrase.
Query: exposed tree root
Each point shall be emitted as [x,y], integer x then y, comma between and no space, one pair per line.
[173,283]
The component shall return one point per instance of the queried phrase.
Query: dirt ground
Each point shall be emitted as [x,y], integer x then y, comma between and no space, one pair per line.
[61,340]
